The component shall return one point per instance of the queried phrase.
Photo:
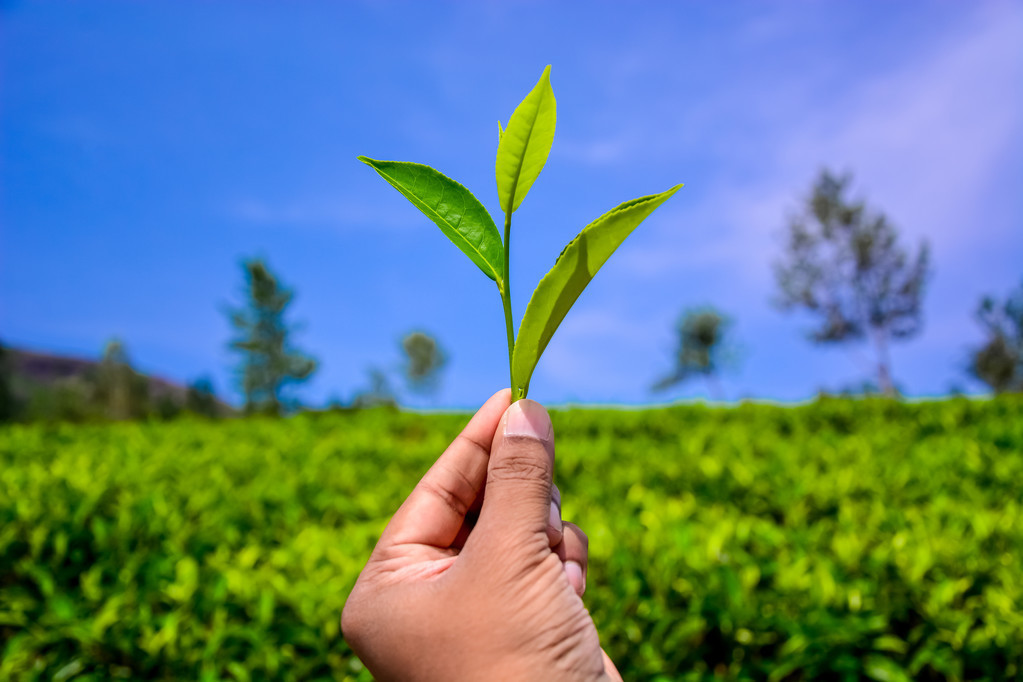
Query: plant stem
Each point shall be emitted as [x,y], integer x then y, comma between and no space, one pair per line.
[506,299]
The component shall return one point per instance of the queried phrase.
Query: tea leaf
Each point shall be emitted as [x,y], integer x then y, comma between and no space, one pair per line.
[575,267]
[500,132]
[459,215]
[525,144]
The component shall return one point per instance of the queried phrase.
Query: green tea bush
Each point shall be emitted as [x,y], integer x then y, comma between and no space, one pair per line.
[840,540]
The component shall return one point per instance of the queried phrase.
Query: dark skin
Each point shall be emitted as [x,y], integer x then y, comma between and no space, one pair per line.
[476,577]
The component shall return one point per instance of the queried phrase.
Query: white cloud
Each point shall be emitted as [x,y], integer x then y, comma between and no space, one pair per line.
[924,140]
[927,139]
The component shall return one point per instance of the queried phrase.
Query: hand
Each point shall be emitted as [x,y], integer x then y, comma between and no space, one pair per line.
[448,597]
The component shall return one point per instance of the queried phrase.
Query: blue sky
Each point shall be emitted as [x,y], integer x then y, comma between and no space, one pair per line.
[145,148]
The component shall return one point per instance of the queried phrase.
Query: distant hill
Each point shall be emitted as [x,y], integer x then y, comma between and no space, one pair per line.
[31,371]
[45,369]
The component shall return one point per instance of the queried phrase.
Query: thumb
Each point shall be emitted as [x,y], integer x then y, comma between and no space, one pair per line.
[517,500]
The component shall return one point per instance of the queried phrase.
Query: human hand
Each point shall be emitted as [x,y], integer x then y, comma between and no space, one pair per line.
[448,597]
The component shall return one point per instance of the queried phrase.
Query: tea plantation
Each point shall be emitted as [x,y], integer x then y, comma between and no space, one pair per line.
[838,541]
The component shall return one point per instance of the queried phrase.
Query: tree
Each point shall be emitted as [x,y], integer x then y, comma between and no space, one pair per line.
[8,403]
[999,362]
[68,400]
[701,349]
[201,399]
[120,391]
[379,393]
[268,362]
[844,265]
[424,359]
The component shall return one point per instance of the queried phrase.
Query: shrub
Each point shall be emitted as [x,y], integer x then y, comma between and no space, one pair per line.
[841,540]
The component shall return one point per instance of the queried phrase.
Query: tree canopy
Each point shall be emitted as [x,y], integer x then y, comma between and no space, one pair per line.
[702,334]
[999,361]
[424,360]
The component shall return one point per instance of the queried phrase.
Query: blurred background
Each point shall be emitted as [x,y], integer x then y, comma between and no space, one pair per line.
[149,149]
[185,231]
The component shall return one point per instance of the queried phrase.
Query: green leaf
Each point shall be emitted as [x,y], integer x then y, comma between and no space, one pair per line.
[500,132]
[525,144]
[459,215]
[575,267]
[884,669]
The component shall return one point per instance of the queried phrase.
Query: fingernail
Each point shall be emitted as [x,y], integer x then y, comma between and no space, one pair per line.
[574,571]
[555,518]
[528,418]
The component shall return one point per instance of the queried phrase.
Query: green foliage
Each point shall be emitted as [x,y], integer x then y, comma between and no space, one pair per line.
[844,540]
[424,360]
[120,391]
[522,151]
[68,400]
[201,398]
[268,361]
[702,341]
[999,361]
[46,387]
[8,403]
[379,393]
[841,540]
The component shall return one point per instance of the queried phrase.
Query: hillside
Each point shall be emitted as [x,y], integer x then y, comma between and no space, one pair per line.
[46,382]
[36,369]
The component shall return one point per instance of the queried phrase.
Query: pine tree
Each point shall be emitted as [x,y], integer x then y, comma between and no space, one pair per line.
[268,361]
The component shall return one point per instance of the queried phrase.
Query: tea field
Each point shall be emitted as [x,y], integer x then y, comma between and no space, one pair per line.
[842,540]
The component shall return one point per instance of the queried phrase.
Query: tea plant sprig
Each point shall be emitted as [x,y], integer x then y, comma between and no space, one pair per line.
[522,151]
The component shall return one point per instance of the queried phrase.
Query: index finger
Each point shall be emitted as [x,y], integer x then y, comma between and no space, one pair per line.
[435,510]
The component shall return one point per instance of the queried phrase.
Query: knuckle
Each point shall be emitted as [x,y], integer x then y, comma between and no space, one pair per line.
[520,464]
[472,444]
[451,499]
[579,534]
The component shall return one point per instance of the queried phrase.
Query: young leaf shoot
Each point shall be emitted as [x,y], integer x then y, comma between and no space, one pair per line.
[522,150]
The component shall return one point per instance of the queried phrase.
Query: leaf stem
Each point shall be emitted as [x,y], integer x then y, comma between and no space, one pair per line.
[506,299]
